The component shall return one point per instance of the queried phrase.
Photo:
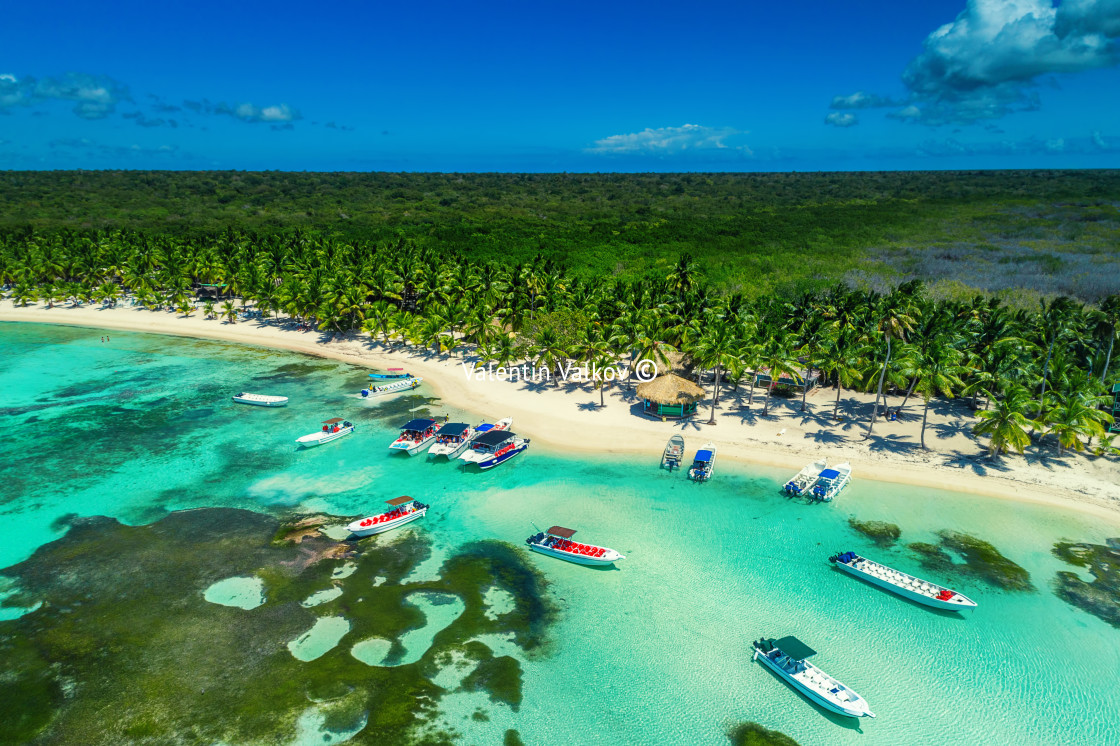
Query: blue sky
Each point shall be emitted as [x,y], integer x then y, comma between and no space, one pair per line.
[548,86]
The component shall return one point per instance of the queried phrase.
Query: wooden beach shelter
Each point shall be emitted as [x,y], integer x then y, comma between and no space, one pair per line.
[670,396]
[1115,409]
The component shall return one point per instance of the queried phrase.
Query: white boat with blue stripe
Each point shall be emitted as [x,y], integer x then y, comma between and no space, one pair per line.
[907,586]
[260,400]
[787,658]
[455,437]
[704,464]
[492,448]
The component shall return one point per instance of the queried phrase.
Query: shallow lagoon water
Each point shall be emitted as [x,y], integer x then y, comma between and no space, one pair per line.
[655,651]
[239,592]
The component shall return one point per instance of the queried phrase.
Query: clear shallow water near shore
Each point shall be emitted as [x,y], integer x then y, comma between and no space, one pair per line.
[653,652]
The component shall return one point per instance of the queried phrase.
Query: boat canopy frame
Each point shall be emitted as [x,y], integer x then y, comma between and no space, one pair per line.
[493,438]
[560,531]
[419,425]
[333,421]
[793,648]
[453,428]
[399,500]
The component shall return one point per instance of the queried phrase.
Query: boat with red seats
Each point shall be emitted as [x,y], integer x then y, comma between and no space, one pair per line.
[416,435]
[404,510]
[557,542]
[896,581]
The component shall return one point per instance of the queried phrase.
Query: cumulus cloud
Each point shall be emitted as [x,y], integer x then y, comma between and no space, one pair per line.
[246,112]
[841,119]
[145,121]
[670,141]
[987,62]
[94,96]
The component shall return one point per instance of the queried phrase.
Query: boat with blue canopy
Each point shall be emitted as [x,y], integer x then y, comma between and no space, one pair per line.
[494,447]
[416,435]
[830,482]
[455,437]
[704,464]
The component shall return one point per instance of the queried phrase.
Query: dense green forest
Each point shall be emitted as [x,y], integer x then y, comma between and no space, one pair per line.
[1022,234]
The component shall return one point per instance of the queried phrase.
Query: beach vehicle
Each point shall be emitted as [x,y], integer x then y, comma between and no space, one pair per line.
[674,452]
[403,510]
[391,387]
[787,658]
[393,375]
[907,586]
[830,482]
[455,437]
[416,435]
[804,478]
[557,542]
[492,448]
[260,400]
[333,429]
[703,464]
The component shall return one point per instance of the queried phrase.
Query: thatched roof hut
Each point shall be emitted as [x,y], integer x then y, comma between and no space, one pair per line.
[670,396]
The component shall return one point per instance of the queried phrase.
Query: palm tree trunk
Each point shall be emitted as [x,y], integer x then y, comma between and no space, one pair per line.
[1108,357]
[766,406]
[805,387]
[836,409]
[715,394]
[882,375]
[909,391]
[1045,372]
[925,413]
[750,399]
[602,393]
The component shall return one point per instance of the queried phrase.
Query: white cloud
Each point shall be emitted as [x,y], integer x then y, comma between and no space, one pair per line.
[841,119]
[860,100]
[94,96]
[670,141]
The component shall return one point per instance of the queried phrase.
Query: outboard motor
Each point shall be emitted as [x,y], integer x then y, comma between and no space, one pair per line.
[365,393]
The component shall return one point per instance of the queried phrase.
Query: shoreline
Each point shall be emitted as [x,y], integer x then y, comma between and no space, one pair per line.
[567,417]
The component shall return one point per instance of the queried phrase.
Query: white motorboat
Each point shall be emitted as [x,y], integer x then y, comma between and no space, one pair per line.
[907,586]
[392,387]
[492,448]
[393,375]
[333,429]
[787,658]
[416,435]
[404,510]
[704,464]
[673,454]
[454,438]
[805,478]
[830,482]
[260,400]
[557,542]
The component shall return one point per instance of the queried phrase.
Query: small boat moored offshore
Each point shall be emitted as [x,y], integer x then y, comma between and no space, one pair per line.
[333,429]
[907,586]
[416,435]
[392,387]
[830,482]
[492,448]
[674,452]
[404,510]
[704,464]
[556,542]
[260,400]
[786,657]
[804,478]
[392,375]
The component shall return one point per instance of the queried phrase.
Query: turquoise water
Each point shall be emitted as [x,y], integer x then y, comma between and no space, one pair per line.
[653,652]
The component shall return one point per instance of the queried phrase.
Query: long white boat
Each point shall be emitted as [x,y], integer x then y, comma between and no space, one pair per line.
[489,449]
[416,435]
[907,586]
[260,400]
[557,542]
[455,437]
[333,429]
[392,387]
[393,375]
[804,478]
[673,453]
[704,464]
[404,510]
[830,482]
[787,658]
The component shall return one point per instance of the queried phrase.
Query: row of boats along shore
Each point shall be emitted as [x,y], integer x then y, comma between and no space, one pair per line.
[487,445]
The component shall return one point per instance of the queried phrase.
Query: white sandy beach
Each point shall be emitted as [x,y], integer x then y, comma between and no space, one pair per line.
[568,416]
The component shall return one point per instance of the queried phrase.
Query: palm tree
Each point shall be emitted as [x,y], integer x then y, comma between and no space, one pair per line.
[896,318]
[1054,323]
[938,371]
[839,359]
[1006,423]
[715,349]
[549,351]
[1074,420]
[1109,319]
[229,312]
[779,357]
[185,309]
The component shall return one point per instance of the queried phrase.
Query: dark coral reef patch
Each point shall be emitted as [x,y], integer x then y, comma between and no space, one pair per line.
[124,647]
[1101,598]
[753,734]
[982,561]
[882,533]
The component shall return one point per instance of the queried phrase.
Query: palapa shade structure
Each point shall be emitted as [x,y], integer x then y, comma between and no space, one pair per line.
[670,396]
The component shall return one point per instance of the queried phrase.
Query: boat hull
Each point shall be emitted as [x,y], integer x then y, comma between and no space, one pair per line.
[357,530]
[579,559]
[450,451]
[808,693]
[898,590]
[281,402]
[410,447]
[315,439]
[392,388]
[492,461]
